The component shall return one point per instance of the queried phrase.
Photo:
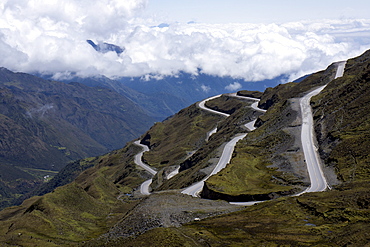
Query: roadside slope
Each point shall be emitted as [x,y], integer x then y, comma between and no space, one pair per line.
[339,217]
[269,162]
[342,120]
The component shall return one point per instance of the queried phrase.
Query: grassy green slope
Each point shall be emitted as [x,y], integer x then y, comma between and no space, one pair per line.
[78,211]
[192,167]
[172,140]
[89,206]
[286,91]
[334,218]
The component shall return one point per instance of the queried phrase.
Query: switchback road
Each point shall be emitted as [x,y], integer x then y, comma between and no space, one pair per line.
[317,178]
[228,150]
[144,188]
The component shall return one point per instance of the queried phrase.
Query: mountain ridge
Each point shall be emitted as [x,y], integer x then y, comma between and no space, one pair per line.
[336,217]
[163,96]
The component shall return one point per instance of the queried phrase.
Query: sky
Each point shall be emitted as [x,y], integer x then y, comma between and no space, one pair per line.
[253,40]
[267,11]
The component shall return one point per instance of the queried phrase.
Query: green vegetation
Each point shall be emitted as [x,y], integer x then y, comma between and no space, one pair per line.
[252,94]
[249,176]
[99,199]
[339,217]
[228,104]
[343,121]
[253,169]
[266,164]
[78,211]
[289,90]
[171,141]
[39,173]
[47,124]
[192,167]
[334,218]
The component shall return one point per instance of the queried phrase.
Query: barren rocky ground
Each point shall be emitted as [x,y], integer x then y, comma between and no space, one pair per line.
[164,209]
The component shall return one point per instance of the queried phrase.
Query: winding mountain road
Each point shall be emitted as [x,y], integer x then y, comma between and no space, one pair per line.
[228,150]
[202,105]
[144,188]
[317,178]
[138,158]
[312,158]
[225,158]
[254,105]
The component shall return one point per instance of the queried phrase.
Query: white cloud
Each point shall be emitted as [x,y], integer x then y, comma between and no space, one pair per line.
[49,36]
[233,86]
[205,88]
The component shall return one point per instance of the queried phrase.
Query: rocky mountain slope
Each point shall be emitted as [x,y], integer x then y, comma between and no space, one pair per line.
[103,205]
[46,124]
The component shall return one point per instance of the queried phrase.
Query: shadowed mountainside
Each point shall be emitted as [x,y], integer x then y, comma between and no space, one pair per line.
[46,124]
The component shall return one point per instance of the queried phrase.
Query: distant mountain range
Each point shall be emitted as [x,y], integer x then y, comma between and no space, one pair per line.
[163,96]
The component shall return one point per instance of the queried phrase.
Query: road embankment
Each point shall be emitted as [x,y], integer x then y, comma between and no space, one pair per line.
[208,193]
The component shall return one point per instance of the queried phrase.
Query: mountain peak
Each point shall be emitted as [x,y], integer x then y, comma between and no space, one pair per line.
[105,47]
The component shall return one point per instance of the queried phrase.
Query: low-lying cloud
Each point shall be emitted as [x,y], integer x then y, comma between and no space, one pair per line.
[50,37]
[233,86]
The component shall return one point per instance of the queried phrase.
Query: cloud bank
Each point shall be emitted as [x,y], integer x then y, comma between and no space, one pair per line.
[49,36]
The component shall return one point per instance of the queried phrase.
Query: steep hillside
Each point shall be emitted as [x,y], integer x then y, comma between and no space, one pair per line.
[196,164]
[103,205]
[114,180]
[339,217]
[46,124]
[343,121]
[101,199]
[269,162]
[78,211]
[334,218]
